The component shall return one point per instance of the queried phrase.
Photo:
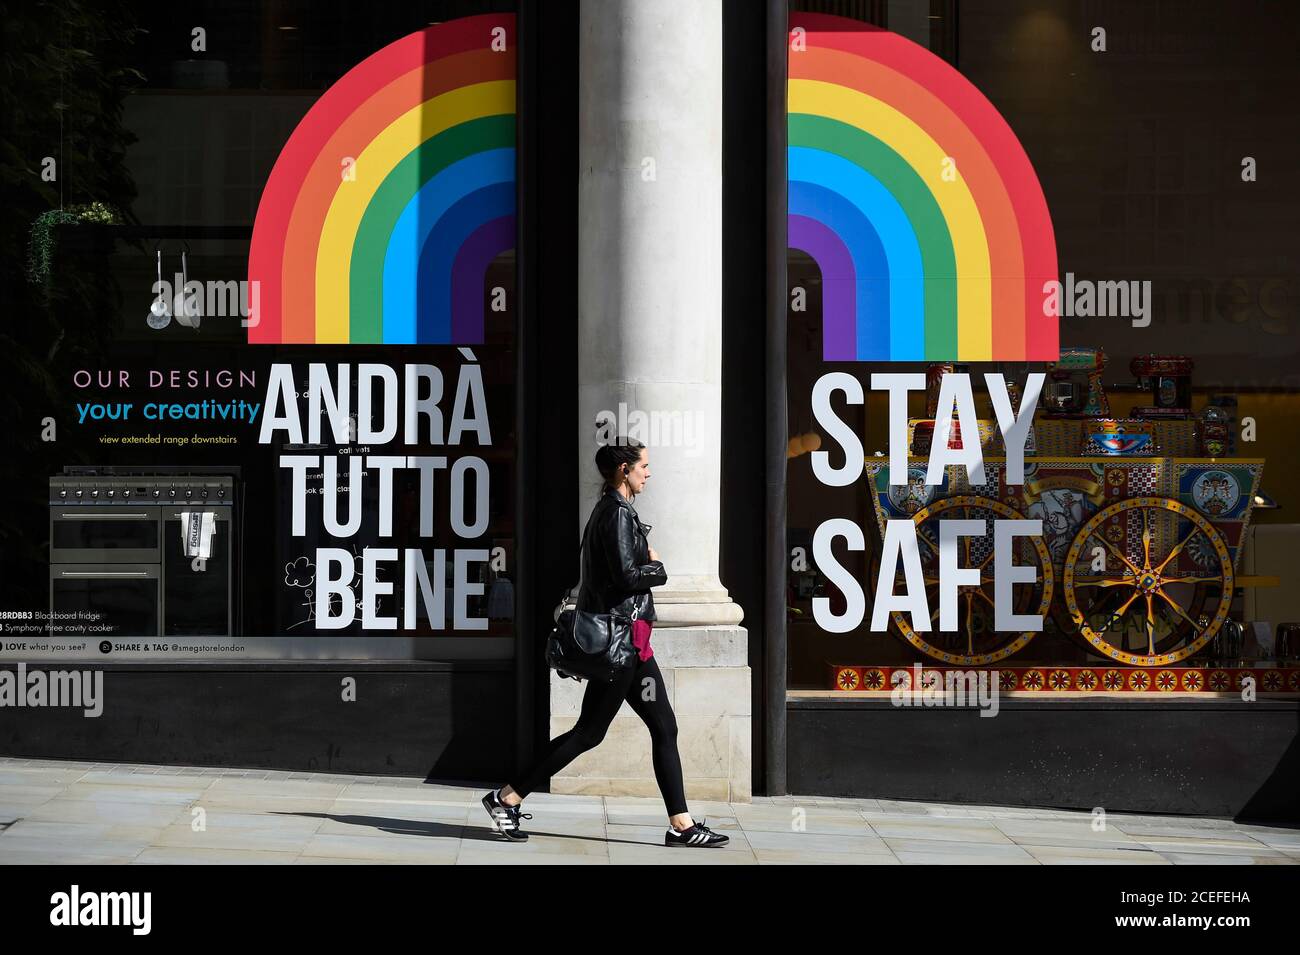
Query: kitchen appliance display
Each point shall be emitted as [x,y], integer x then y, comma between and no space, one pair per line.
[118,558]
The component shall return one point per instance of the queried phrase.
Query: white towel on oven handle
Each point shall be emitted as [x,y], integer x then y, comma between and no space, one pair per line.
[197,531]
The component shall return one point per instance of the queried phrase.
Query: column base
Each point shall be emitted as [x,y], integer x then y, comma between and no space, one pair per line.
[671,615]
[707,674]
[695,601]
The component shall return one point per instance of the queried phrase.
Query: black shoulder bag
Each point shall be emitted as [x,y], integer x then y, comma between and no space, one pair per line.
[590,646]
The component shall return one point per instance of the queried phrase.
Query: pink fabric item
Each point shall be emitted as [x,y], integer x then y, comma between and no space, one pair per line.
[641,638]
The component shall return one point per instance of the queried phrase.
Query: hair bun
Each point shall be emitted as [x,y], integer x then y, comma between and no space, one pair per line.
[613,455]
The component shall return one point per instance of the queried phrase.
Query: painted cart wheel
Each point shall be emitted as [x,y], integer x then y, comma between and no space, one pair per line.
[1143,609]
[975,642]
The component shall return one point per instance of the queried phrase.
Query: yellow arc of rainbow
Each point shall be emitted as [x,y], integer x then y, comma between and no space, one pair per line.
[377,160]
[919,150]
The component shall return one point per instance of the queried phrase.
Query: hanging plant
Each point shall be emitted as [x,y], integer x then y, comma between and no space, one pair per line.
[40,245]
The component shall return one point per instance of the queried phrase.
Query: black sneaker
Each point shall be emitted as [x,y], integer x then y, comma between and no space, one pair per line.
[697,835]
[506,818]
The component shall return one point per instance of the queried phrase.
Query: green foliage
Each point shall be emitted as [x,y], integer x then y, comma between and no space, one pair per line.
[40,246]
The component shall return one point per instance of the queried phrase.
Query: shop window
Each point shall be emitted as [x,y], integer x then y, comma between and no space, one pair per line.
[156,511]
[1140,579]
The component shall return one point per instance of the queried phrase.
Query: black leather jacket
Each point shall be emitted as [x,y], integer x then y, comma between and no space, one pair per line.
[617,572]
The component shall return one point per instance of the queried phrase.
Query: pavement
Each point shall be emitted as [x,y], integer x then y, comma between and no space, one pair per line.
[55,811]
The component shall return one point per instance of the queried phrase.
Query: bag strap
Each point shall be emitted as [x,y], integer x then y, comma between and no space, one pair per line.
[568,593]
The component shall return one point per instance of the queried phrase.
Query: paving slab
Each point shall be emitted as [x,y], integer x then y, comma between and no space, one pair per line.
[191,855]
[1094,855]
[931,852]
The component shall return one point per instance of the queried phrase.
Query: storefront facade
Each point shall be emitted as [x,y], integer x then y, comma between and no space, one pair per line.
[435,312]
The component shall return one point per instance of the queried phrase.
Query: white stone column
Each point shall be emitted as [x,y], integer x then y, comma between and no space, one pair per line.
[650,339]
[650,275]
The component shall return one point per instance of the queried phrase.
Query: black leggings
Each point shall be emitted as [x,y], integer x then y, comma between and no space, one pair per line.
[643,688]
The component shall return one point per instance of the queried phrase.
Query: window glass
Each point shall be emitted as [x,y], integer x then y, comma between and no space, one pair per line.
[226,194]
[1156,565]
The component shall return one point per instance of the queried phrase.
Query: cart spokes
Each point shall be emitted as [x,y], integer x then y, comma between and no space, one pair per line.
[1158,576]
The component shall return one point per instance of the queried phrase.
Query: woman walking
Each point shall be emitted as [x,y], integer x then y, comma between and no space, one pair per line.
[618,569]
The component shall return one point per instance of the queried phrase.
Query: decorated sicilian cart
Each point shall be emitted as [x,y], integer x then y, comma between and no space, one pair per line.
[1142,536]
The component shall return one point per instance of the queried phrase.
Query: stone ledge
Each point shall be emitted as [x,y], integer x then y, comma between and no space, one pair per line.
[712,646]
[688,610]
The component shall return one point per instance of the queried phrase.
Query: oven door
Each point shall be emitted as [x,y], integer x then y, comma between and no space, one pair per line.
[104,534]
[196,592]
[122,597]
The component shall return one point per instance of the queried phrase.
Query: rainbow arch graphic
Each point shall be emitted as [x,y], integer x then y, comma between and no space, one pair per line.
[393,195]
[917,202]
